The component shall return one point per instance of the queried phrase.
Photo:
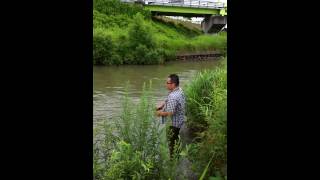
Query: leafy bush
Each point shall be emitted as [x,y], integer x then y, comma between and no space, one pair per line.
[102,49]
[142,43]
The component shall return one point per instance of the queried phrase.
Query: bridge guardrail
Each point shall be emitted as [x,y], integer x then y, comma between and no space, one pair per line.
[187,3]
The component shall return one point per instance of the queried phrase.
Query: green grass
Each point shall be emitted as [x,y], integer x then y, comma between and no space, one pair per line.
[178,27]
[170,36]
[207,119]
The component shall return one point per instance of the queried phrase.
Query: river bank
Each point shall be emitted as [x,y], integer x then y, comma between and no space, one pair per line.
[127,34]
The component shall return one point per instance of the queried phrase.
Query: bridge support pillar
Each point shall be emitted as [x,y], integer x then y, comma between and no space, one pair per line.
[212,24]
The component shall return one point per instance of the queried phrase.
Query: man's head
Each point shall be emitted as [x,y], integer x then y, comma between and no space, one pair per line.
[172,82]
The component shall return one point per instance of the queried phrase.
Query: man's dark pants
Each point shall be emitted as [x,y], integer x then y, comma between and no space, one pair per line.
[173,135]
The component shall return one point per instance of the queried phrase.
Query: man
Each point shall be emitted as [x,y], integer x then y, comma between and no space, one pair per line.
[173,108]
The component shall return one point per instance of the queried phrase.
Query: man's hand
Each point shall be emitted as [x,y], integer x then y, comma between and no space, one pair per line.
[161,113]
[160,105]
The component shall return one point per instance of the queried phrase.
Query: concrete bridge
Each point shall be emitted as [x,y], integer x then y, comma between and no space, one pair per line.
[213,12]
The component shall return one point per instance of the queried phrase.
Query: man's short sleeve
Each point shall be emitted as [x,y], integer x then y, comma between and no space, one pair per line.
[171,105]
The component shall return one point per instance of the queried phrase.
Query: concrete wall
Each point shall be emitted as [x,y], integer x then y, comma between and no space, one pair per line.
[213,23]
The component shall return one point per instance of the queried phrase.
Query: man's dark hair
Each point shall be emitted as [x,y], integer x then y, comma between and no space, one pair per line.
[174,79]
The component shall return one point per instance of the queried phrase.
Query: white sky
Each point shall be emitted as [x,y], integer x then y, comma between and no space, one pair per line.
[198,20]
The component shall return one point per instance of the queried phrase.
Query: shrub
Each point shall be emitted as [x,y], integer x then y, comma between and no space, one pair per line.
[102,49]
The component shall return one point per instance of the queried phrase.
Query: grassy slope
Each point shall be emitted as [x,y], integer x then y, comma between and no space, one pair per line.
[171,36]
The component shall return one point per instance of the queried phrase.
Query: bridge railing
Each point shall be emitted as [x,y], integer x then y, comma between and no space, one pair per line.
[183,3]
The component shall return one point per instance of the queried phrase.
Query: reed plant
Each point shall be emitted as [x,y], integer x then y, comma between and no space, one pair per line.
[135,146]
[207,118]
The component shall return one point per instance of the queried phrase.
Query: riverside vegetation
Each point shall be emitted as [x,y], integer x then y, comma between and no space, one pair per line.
[125,33]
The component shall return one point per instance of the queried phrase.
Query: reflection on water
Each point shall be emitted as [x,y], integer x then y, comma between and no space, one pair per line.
[109,83]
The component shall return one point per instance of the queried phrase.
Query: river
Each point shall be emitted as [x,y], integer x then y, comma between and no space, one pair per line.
[109,83]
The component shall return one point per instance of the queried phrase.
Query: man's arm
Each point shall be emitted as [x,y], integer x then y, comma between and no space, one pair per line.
[161,113]
[171,104]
